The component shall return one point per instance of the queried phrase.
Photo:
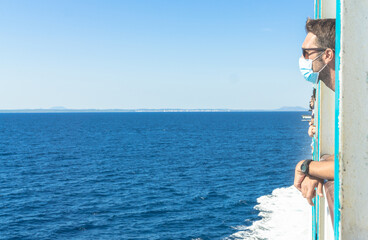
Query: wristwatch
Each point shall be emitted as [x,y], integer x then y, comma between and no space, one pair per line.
[305,166]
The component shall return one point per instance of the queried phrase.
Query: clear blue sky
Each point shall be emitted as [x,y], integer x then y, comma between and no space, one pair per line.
[238,54]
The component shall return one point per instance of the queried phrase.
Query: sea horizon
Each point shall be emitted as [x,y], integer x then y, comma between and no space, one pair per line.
[96,110]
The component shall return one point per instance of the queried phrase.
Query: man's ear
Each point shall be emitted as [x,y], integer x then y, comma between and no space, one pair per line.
[329,56]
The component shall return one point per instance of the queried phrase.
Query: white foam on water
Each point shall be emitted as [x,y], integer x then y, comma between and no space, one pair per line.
[285,215]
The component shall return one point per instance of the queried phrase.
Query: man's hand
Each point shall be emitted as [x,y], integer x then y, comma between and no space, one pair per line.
[311,130]
[308,188]
[299,176]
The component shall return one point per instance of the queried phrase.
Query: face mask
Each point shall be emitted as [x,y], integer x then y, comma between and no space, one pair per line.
[305,66]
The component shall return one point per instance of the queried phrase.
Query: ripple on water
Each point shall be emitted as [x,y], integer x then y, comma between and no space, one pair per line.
[141,175]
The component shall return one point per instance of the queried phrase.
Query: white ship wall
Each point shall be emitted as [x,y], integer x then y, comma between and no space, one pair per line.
[354,120]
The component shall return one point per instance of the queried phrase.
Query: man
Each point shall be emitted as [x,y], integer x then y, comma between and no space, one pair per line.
[317,63]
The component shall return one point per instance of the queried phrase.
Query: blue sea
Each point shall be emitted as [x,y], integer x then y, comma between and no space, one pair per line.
[142,175]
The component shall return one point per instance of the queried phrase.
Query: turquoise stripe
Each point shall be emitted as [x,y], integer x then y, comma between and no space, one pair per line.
[314,220]
[314,208]
[318,148]
[337,114]
[315,211]
[316,9]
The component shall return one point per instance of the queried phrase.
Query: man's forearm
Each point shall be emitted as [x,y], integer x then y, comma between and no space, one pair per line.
[322,169]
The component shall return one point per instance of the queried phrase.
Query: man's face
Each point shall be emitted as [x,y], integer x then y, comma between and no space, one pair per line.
[318,63]
[310,42]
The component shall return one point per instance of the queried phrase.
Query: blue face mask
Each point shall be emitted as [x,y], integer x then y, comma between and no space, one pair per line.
[305,66]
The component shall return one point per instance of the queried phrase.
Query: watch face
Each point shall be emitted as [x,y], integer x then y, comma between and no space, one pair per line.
[303,167]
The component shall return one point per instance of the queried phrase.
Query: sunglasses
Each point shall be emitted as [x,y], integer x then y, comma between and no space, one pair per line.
[306,54]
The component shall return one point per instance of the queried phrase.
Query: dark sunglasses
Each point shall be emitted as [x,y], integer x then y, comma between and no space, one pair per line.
[306,54]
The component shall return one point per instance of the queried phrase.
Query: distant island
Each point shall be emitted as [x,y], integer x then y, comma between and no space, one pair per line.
[60,109]
[292,109]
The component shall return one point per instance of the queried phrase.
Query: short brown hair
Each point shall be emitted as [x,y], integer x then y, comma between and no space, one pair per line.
[324,29]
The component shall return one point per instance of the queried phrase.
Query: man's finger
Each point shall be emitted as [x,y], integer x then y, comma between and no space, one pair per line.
[298,179]
[310,201]
[304,191]
[311,193]
[298,186]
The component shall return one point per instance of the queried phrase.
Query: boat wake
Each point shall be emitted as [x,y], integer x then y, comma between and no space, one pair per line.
[285,215]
